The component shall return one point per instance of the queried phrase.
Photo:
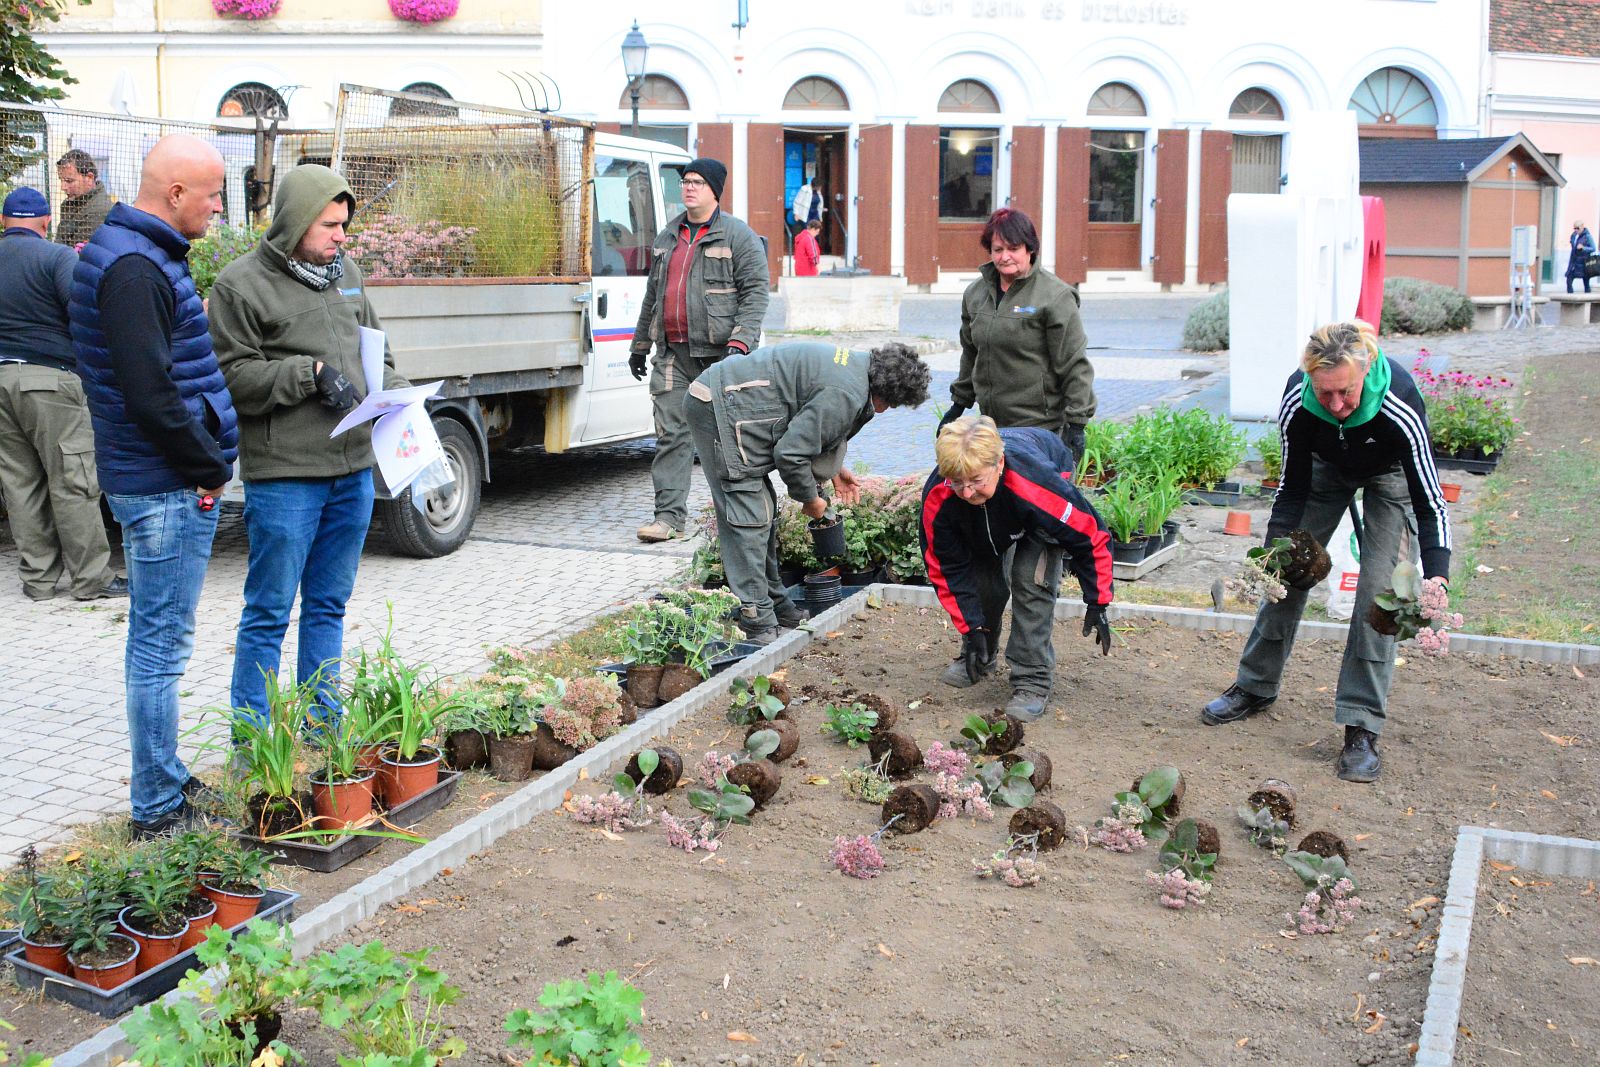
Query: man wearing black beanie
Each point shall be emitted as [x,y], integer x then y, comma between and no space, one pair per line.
[705,300]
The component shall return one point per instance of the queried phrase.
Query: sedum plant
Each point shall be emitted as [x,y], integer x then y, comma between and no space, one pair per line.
[753,701]
[1330,903]
[1415,607]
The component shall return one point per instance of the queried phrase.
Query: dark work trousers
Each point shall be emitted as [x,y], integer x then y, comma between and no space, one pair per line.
[1368,667]
[1034,570]
[672,371]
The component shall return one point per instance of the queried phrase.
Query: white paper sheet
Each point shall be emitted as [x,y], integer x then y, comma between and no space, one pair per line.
[384,401]
[405,443]
[372,358]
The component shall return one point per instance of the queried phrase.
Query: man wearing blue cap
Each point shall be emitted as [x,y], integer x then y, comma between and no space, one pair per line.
[46,443]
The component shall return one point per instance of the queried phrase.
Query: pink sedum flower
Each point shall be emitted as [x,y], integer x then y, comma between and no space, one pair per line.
[1177,890]
[856,856]
[942,760]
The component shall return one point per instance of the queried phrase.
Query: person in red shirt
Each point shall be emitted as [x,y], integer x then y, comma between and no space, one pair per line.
[806,253]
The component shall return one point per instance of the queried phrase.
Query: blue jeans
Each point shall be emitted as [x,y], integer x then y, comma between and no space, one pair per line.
[166,539]
[306,535]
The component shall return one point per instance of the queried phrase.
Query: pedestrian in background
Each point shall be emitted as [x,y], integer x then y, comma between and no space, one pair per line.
[165,439]
[46,442]
[705,300]
[791,408]
[286,320]
[998,515]
[85,203]
[806,252]
[1581,242]
[1023,358]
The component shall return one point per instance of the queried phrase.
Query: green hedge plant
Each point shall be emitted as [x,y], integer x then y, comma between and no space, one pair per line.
[1411,305]
[1206,328]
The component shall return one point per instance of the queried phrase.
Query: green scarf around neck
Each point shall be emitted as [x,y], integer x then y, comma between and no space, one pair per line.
[1373,391]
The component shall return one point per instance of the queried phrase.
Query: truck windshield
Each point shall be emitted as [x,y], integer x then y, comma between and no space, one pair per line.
[672,189]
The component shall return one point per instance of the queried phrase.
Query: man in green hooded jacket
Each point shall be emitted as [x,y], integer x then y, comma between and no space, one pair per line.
[285,321]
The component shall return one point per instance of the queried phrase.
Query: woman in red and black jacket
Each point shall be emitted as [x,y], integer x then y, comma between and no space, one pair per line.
[1010,491]
[1352,420]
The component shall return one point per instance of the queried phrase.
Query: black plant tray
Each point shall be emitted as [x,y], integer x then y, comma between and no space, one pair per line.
[1471,466]
[8,938]
[325,859]
[1221,495]
[719,663]
[141,988]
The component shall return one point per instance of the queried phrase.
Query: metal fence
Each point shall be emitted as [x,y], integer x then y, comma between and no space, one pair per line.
[453,190]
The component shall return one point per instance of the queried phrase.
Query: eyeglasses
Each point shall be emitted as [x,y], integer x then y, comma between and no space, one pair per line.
[695,183]
[976,483]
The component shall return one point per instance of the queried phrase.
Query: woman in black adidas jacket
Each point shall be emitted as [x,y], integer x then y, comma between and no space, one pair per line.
[1352,420]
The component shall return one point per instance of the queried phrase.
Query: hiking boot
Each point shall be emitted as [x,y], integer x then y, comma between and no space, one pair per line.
[1359,761]
[1234,705]
[116,587]
[179,819]
[201,796]
[656,531]
[789,615]
[764,636]
[1027,704]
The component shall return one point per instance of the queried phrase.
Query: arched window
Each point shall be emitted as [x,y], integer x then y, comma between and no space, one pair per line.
[1116,98]
[815,94]
[401,108]
[250,99]
[1394,97]
[657,92]
[969,96]
[1256,104]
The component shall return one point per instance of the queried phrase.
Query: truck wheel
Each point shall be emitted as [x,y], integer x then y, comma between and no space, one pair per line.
[448,513]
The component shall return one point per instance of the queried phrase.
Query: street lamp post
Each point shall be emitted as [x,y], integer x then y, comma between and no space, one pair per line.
[634,50]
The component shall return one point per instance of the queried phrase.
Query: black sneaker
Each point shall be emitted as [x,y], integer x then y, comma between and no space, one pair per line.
[201,796]
[116,587]
[179,819]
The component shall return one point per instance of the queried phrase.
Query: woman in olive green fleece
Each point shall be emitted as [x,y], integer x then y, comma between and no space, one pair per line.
[285,322]
[1022,344]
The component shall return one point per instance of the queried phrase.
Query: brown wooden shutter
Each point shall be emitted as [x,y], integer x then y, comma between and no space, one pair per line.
[715,141]
[1072,205]
[875,213]
[765,190]
[1027,171]
[1216,182]
[1172,206]
[922,204]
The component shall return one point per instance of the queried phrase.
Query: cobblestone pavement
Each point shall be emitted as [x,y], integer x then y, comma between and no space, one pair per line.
[553,547]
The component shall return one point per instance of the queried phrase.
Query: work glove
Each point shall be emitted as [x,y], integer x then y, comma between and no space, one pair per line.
[955,412]
[1076,441]
[977,653]
[335,390]
[1094,623]
[636,365]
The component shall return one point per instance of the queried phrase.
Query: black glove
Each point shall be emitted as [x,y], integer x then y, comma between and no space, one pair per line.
[335,390]
[954,413]
[735,350]
[1076,441]
[1094,622]
[977,653]
[636,365]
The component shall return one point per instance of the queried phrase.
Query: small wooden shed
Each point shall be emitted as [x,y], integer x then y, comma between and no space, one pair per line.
[1451,205]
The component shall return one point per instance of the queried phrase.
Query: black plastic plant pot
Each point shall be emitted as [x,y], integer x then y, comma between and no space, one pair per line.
[275,907]
[309,853]
[1221,495]
[723,657]
[827,537]
[822,591]
[1129,551]
[1169,535]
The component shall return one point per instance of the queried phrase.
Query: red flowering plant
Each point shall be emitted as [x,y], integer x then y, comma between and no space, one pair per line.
[1465,412]
[859,856]
[422,11]
[250,10]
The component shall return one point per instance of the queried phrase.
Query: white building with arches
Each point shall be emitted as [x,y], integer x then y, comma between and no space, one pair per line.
[1120,126]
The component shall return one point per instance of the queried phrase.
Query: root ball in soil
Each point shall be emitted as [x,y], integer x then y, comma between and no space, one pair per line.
[1042,818]
[1308,561]
[1324,843]
[1041,765]
[676,680]
[1279,796]
[777,687]
[905,755]
[1209,839]
[888,714]
[918,806]
[668,770]
[1384,622]
[760,777]
[1175,805]
[629,710]
[548,753]
[788,737]
[1009,739]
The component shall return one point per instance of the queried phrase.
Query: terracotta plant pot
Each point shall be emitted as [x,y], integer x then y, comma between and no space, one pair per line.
[404,780]
[511,757]
[108,975]
[1452,492]
[340,805]
[154,949]
[676,680]
[1237,523]
[232,908]
[644,683]
[198,924]
[370,758]
[53,957]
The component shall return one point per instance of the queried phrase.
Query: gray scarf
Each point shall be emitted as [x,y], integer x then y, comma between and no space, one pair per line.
[315,277]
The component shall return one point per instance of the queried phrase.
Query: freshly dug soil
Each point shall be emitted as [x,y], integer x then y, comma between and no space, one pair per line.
[465,749]
[777,687]
[1279,796]
[1308,561]
[760,777]
[676,680]
[511,758]
[1042,767]
[644,684]
[788,737]
[918,806]
[905,755]
[668,772]
[1042,818]
[1008,739]
[628,710]
[1324,843]
[548,753]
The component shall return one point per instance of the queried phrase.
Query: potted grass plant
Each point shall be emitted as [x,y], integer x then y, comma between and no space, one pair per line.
[239,885]
[154,917]
[268,745]
[1162,496]
[341,791]
[1122,507]
[32,897]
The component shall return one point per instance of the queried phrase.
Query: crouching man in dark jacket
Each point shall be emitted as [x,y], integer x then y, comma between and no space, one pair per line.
[1000,493]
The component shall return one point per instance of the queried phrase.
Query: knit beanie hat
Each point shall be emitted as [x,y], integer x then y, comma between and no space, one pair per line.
[715,174]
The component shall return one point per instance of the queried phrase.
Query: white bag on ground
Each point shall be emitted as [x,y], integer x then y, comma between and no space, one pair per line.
[1345,551]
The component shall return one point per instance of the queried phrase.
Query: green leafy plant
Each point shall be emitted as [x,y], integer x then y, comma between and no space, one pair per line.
[587,1024]
[182,1032]
[1270,445]
[850,723]
[258,973]
[1162,495]
[753,701]
[406,699]
[1008,785]
[89,916]
[1264,827]
[1182,852]
[268,744]
[1330,903]
[980,734]
[869,783]
[1153,799]
[32,899]
[157,893]
[342,744]
[1206,328]
[382,1002]
[243,870]
[221,245]
[760,745]
[725,806]
[1121,505]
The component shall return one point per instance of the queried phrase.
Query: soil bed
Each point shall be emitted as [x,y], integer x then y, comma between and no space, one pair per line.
[763,937]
